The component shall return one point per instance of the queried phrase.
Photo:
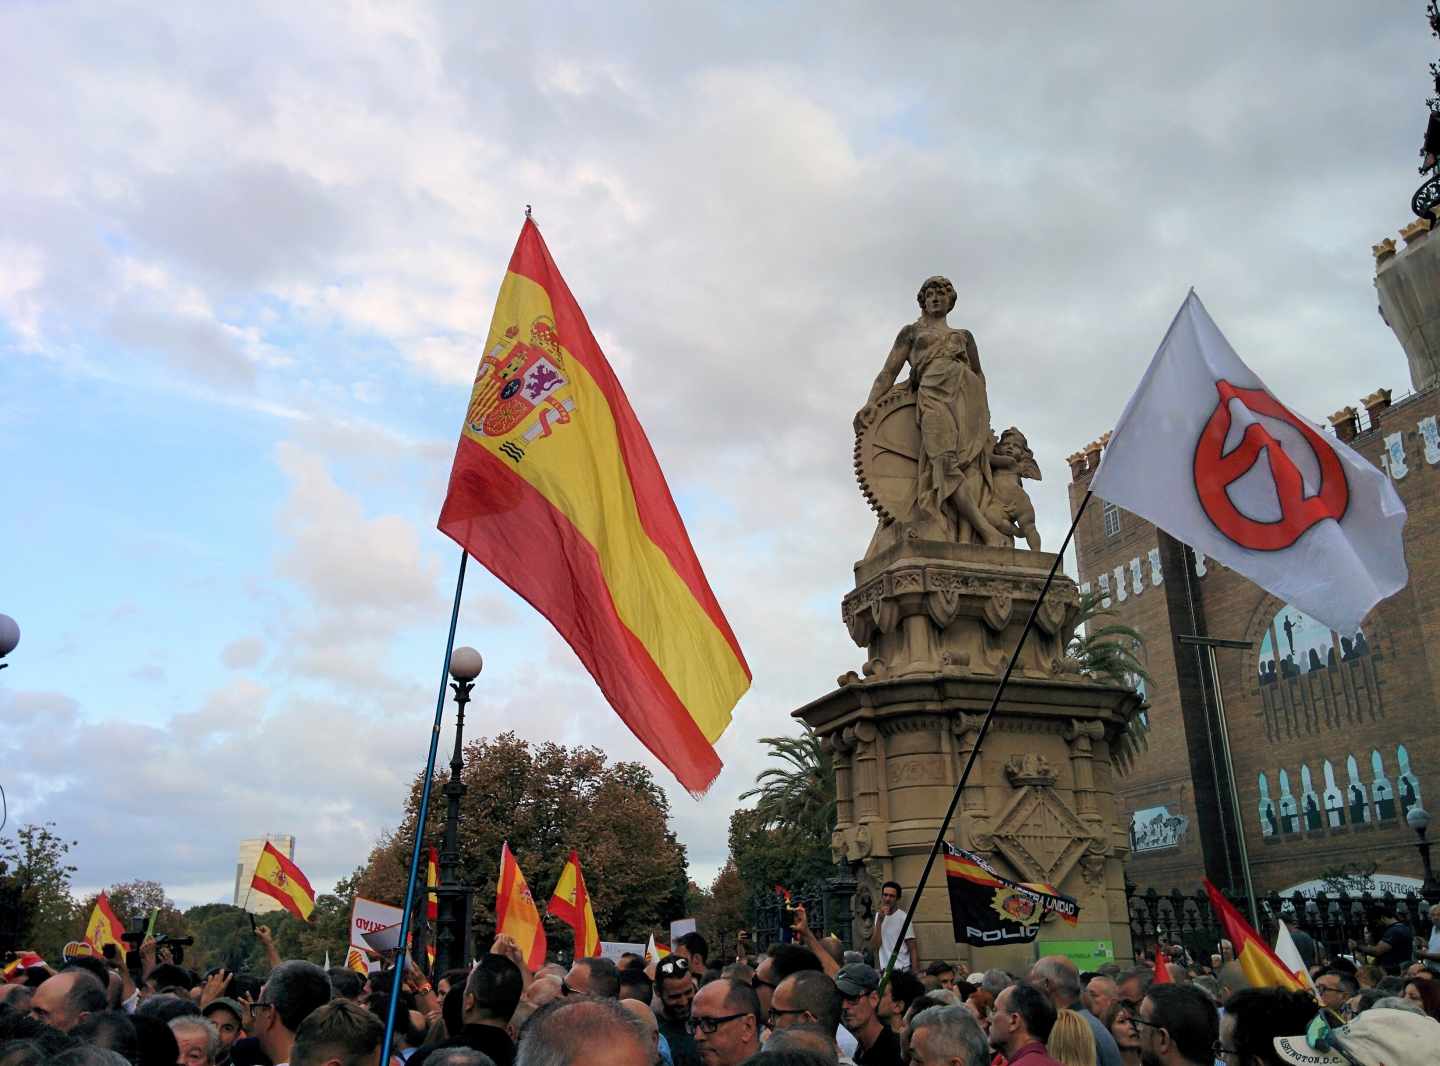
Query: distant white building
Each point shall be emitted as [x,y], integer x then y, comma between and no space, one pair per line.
[258,902]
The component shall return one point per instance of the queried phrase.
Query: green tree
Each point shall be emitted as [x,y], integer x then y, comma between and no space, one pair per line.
[798,796]
[1110,651]
[723,912]
[35,880]
[546,800]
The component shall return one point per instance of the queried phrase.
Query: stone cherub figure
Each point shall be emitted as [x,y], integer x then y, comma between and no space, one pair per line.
[956,482]
[1011,510]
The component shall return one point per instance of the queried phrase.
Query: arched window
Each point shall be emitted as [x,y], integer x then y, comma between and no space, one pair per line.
[1380,789]
[1289,812]
[1357,797]
[1268,826]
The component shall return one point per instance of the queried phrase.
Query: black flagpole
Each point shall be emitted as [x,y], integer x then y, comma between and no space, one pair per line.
[397,974]
[980,739]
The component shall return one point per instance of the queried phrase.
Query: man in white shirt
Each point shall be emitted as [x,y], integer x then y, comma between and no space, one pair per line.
[886,935]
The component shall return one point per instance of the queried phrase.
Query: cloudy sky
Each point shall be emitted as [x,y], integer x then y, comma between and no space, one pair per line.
[248,258]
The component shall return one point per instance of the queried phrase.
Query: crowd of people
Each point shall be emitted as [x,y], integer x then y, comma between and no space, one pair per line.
[806,1002]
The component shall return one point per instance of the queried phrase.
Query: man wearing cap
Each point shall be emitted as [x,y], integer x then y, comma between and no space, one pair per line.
[1380,1035]
[878,1043]
[228,1017]
[675,986]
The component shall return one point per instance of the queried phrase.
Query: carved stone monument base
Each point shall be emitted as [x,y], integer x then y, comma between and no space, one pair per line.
[938,620]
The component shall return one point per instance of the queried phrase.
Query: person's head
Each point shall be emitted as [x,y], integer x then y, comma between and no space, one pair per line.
[168,977]
[341,1033]
[1058,977]
[942,291]
[1133,984]
[859,999]
[1254,1017]
[291,993]
[346,984]
[943,974]
[807,1044]
[903,989]
[158,1046]
[1369,976]
[1071,1042]
[675,985]
[805,998]
[629,960]
[67,999]
[726,1022]
[228,1017]
[96,969]
[693,946]
[592,977]
[890,891]
[1425,994]
[947,1036]
[584,1031]
[88,1055]
[1100,995]
[1022,1015]
[1120,1020]
[635,985]
[167,1006]
[17,997]
[110,1029]
[1360,1002]
[492,991]
[1177,1025]
[198,1040]
[1335,988]
[454,978]
[646,1019]
[459,1056]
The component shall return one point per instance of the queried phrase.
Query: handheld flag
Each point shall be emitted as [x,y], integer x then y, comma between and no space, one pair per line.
[1262,969]
[104,928]
[655,952]
[555,489]
[432,878]
[1288,952]
[281,880]
[571,904]
[1207,453]
[515,913]
[1162,968]
[987,909]
[355,960]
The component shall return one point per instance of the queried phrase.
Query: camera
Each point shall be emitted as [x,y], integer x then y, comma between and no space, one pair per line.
[175,944]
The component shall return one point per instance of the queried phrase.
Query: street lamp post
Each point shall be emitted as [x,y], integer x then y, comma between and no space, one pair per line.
[1419,820]
[9,637]
[452,937]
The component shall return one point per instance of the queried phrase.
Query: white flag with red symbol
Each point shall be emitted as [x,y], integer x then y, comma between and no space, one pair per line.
[1206,453]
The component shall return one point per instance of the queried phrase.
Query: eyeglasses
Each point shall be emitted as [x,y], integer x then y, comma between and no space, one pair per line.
[1137,1020]
[757,982]
[567,990]
[776,1014]
[709,1025]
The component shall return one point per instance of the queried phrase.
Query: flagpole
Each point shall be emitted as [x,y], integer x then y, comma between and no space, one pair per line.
[398,974]
[979,740]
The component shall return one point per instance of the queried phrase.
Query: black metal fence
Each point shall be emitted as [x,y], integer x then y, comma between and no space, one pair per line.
[1332,920]
[827,911]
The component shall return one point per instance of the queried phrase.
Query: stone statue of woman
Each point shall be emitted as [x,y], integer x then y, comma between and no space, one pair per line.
[955,482]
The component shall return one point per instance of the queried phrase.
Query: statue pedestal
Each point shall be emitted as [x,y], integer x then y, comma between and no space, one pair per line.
[938,621]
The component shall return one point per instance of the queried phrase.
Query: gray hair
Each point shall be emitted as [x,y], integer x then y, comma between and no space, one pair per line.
[88,1055]
[458,1056]
[566,1032]
[205,1025]
[1064,978]
[957,1034]
[805,1037]
[996,981]
[1398,1003]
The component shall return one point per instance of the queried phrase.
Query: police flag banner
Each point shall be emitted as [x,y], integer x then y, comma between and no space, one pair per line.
[988,910]
[1208,454]
[555,489]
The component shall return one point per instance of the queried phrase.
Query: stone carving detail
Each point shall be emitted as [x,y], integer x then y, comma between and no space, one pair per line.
[1040,836]
[997,611]
[917,770]
[1092,868]
[1030,769]
[1430,438]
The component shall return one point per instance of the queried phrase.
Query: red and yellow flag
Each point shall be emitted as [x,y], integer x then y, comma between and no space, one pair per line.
[1162,968]
[432,878]
[1262,968]
[281,880]
[515,912]
[104,928]
[355,960]
[571,904]
[555,489]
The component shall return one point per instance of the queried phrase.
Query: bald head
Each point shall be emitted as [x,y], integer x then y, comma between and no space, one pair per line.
[1058,978]
[594,1032]
[67,999]
[646,1017]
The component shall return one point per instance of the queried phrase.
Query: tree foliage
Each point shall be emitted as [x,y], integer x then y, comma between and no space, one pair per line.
[35,901]
[546,800]
[1110,651]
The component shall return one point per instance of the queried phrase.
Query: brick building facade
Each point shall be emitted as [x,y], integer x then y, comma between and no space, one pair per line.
[1334,736]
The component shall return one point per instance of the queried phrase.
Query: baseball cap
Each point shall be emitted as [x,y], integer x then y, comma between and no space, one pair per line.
[1380,1035]
[976,979]
[224,1003]
[856,979]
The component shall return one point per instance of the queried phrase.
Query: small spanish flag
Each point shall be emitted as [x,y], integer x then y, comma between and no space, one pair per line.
[281,880]
[515,913]
[104,928]
[432,878]
[21,961]
[571,904]
[555,489]
[1261,966]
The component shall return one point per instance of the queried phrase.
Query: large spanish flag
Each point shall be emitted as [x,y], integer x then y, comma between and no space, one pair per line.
[515,913]
[571,904]
[281,880]
[1262,968]
[105,928]
[555,489]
